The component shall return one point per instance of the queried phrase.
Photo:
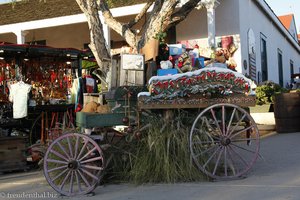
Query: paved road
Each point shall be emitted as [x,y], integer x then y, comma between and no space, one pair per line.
[275,176]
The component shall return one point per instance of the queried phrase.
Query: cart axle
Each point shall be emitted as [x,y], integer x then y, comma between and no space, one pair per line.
[73,165]
[225,141]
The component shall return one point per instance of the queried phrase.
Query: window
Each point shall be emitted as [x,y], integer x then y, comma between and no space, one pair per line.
[263,52]
[292,70]
[280,70]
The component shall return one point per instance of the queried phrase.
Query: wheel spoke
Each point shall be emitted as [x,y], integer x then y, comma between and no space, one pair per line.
[205,133]
[223,121]
[78,181]
[70,147]
[60,174]
[57,161]
[204,142]
[90,174]
[197,140]
[58,154]
[57,168]
[64,180]
[218,160]
[215,119]
[71,182]
[232,161]
[230,121]
[84,179]
[76,147]
[239,156]
[209,159]
[243,140]
[92,167]
[241,119]
[225,161]
[243,130]
[206,123]
[87,154]
[207,150]
[63,149]
[250,151]
[82,149]
[91,160]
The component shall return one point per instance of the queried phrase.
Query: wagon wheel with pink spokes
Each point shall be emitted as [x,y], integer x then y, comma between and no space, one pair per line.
[73,164]
[224,141]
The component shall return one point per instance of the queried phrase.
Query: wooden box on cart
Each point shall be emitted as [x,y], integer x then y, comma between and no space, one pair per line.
[12,153]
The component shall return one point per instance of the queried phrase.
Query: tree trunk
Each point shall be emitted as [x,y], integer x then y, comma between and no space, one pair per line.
[163,15]
[98,43]
[122,29]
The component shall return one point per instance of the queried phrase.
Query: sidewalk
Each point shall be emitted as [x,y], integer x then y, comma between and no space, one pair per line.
[275,176]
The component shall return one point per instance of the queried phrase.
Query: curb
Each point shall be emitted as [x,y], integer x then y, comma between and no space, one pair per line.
[18,175]
[268,134]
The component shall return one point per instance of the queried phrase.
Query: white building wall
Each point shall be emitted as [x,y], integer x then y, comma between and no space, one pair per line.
[253,17]
[227,23]
[293,29]
[236,17]
[196,30]
[195,25]
[227,18]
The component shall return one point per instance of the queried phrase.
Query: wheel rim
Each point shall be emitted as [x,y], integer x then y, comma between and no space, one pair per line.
[73,164]
[35,130]
[224,141]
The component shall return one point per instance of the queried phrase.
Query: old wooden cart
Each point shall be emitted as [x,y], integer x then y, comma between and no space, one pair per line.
[223,138]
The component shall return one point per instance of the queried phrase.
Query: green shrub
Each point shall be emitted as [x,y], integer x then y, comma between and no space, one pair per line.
[266,91]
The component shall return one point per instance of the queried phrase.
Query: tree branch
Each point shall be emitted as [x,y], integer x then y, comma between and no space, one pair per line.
[182,13]
[160,15]
[140,15]
[117,26]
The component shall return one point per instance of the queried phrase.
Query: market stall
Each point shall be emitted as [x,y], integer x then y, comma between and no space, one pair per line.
[47,74]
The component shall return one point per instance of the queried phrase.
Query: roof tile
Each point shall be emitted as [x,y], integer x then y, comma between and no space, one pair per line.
[286,20]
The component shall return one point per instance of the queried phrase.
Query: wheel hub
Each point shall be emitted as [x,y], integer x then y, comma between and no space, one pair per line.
[225,141]
[73,164]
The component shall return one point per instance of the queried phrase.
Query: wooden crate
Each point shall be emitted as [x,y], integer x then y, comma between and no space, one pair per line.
[89,97]
[12,153]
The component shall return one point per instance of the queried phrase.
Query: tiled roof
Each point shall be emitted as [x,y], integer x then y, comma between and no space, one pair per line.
[36,9]
[286,20]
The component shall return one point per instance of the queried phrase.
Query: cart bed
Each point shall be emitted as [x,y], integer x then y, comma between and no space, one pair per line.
[90,120]
[145,102]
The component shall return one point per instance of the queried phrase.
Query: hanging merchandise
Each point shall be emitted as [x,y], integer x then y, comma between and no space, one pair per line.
[19,97]
[48,70]
[2,74]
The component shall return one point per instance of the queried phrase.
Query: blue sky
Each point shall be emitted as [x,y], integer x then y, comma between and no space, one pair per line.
[4,1]
[280,7]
